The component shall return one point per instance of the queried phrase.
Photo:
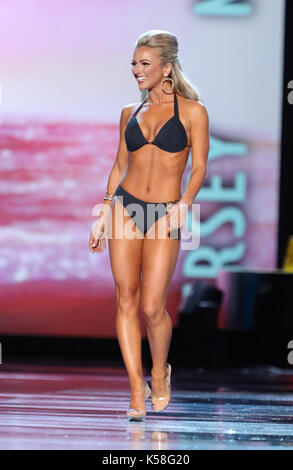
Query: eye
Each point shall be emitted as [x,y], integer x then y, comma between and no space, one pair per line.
[143,63]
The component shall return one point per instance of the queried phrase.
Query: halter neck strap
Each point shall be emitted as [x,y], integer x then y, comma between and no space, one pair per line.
[175,106]
[141,104]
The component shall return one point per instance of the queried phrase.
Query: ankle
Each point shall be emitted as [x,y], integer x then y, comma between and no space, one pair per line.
[136,384]
[159,374]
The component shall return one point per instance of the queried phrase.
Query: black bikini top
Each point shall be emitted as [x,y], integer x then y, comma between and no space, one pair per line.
[171,137]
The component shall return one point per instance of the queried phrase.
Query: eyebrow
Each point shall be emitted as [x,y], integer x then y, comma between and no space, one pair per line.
[141,60]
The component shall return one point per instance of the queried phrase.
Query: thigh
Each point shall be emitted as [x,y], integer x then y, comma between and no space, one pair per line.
[159,258]
[125,253]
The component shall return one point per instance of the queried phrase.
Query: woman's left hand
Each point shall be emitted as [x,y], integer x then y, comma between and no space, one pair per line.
[176,215]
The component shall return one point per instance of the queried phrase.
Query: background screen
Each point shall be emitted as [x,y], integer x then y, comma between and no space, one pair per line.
[65,77]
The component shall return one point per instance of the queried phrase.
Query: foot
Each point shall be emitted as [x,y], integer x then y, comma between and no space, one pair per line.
[137,408]
[161,390]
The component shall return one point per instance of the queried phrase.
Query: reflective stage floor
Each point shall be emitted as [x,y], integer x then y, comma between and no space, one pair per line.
[84,407]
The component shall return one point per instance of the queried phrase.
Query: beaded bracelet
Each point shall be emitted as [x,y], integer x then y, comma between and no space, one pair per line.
[108,196]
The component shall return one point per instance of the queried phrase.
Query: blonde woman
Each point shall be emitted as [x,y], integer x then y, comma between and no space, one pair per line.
[156,137]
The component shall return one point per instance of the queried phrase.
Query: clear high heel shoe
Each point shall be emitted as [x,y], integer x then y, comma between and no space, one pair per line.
[135,414]
[160,403]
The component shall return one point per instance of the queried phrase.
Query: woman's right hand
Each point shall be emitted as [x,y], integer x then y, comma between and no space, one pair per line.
[97,240]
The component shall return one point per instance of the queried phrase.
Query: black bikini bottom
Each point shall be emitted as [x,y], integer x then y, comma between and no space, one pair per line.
[148,212]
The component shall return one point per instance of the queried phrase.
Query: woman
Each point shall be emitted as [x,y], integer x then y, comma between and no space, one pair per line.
[155,139]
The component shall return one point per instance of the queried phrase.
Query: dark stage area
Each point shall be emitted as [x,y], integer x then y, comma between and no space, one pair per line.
[210,348]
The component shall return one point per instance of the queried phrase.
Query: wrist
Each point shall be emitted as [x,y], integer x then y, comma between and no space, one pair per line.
[186,200]
[107,203]
[106,206]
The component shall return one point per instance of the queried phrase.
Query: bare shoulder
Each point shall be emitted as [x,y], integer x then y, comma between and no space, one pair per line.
[196,111]
[128,110]
[131,105]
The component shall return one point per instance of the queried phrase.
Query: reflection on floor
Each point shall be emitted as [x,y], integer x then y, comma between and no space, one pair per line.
[84,407]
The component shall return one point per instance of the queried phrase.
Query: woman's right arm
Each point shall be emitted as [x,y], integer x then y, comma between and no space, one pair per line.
[121,160]
[97,235]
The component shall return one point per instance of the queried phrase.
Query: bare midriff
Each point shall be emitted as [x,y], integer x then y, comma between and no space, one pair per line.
[154,175]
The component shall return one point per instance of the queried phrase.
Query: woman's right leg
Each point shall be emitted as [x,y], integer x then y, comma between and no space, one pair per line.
[125,258]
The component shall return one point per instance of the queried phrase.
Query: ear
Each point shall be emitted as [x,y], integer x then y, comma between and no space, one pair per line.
[167,69]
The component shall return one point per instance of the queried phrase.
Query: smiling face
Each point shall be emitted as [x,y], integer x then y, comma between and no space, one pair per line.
[147,67]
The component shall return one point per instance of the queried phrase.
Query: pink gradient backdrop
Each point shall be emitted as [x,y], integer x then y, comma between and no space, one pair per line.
[65,76]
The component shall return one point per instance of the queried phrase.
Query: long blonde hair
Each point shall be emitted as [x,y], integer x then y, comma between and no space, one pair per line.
[168,51]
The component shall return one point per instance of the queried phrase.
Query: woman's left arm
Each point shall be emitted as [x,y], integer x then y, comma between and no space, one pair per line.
[200,142]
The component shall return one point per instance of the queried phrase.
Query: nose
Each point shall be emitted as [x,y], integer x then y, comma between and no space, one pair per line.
[136,71]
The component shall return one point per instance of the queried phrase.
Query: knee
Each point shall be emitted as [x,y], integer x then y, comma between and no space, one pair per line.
[127,299]
[153,313]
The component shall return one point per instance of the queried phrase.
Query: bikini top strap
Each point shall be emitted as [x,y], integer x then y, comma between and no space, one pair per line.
[139,107]
[176,113]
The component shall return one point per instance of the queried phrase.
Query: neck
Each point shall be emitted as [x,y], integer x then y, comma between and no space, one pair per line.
[157,96]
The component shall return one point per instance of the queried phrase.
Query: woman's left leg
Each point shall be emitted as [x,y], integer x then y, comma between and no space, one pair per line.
[159,260]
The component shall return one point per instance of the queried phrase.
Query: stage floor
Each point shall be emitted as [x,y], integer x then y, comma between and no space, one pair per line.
[47,406]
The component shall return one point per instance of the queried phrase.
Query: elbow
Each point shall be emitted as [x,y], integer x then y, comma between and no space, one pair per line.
[120,168]
[201,167]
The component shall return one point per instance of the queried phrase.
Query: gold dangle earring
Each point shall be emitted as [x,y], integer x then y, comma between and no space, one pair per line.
[166,79]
